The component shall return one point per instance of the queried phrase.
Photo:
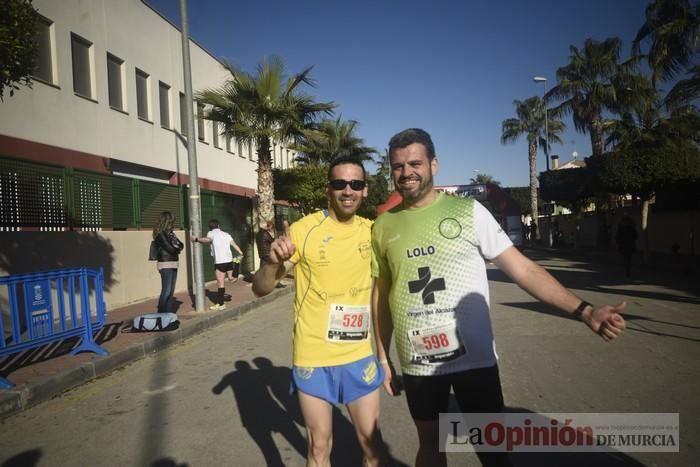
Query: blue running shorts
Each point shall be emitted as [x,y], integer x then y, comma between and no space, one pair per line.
[339,384]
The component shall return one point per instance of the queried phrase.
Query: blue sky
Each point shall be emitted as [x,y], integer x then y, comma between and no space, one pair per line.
[450,67]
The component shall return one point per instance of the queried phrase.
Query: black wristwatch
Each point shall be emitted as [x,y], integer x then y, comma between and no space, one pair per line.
[578,312]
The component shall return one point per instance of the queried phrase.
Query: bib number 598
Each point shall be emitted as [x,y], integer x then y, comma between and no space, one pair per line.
[436,341]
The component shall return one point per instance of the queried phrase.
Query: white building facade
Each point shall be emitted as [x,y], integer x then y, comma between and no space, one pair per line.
[98,144]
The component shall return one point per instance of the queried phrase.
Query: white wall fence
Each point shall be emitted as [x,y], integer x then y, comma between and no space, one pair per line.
[597,230]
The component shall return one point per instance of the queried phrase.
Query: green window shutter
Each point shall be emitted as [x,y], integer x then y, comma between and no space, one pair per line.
[123,203]
[155,198]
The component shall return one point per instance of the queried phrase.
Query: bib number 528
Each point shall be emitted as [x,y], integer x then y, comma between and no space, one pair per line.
[353,320]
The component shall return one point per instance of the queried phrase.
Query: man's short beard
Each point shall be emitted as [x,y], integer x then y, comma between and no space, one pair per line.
[423,191]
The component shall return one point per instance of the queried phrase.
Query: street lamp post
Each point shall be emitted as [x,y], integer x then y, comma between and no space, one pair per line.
[543,80]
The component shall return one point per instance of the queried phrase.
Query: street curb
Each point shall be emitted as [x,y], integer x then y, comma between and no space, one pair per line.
[24,396]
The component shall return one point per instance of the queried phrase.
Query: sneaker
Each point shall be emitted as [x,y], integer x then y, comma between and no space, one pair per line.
[217,307]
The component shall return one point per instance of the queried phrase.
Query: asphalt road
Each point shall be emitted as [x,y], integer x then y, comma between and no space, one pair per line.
[221,397]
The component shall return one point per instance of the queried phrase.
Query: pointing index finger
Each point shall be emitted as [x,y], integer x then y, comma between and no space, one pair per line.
[286,229]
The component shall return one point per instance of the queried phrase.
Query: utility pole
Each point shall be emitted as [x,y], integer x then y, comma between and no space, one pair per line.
[195,205]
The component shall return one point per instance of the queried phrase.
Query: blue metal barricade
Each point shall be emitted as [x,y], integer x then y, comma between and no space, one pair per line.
[42,309]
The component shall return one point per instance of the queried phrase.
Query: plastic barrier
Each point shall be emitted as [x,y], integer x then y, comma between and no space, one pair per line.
[43,309]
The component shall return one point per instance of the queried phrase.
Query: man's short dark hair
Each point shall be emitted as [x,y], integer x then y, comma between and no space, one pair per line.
[412,135]
[213,224]
[345,160]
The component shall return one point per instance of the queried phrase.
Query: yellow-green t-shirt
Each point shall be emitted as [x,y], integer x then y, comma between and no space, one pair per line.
[333,288]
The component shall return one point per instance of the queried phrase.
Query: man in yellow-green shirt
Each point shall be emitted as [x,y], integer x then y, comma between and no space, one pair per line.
[333,360]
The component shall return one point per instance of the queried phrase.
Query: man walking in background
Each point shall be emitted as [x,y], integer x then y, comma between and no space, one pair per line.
[221,244]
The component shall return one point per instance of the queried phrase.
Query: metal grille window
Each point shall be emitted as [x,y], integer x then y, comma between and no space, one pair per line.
[240,149]
[82,76]
[51,198]
[115,67]
[183,115]
[31,195]
[90,207]
[228,144]
[44,59]
[142,100]
[9,200]
[164,96]
[250,151]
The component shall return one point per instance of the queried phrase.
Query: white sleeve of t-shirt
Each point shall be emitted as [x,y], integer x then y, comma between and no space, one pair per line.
[492,239]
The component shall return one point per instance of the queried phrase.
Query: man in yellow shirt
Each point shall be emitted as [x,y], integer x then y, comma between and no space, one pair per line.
[333,359]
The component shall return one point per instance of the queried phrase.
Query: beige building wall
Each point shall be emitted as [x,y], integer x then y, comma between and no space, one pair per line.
[123,255]
[665,229]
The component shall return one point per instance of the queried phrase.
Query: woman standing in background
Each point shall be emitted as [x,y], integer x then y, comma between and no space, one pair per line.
[168,251]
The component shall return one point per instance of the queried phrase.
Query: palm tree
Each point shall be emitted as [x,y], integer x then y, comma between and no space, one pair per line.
[483,179]
[654,122]
[329,139]
[384,166]
[673,29]
[589,85]
[263,108]
[530,122]
[684,91]
[669,125]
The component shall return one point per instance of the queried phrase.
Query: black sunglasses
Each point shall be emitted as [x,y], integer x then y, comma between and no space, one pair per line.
[339,184]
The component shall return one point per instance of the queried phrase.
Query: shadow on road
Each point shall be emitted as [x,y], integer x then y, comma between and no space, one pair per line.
[596,270]
[581,277]
[28,458]
[635,323]
[266,407]
[260,413]
[168,462]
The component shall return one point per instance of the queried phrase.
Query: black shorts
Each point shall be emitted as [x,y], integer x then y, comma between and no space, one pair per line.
[477,390]
[224,267]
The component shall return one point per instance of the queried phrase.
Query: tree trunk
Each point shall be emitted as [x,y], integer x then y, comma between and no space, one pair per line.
[597,136]
[266,196]
[645,231]
[532,156]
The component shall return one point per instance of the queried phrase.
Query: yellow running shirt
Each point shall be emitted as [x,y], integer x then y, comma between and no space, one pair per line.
[333,287]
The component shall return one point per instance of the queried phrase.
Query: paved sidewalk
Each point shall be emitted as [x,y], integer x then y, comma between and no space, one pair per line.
[42,373]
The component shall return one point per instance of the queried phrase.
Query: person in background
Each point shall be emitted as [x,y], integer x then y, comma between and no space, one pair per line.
[168,248]
[626,238]
[221,244]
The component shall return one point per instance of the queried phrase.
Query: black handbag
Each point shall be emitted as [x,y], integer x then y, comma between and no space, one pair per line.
[153,251]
